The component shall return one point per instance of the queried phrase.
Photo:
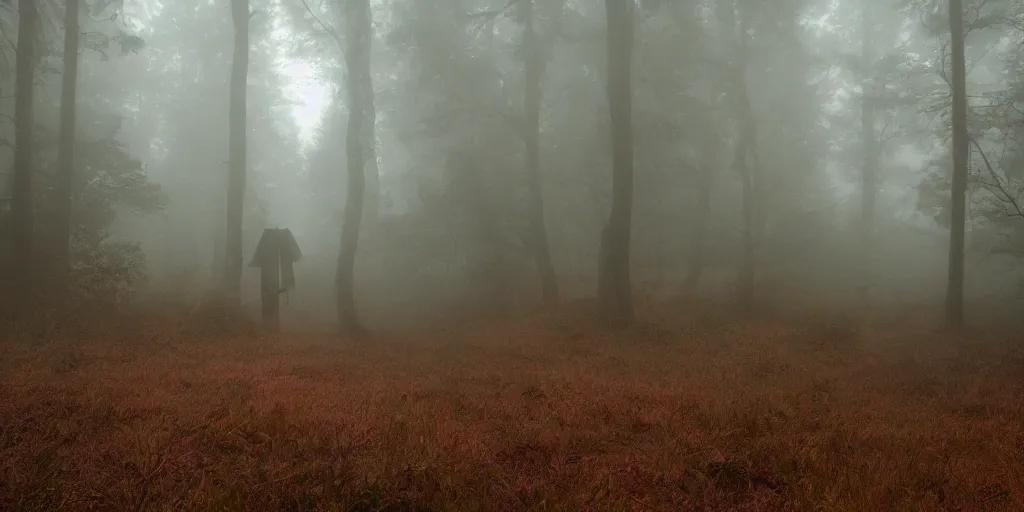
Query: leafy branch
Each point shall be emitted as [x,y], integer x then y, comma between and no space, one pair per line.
[997,186]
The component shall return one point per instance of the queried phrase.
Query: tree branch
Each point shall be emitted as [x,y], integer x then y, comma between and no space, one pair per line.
[998,185]
[491,14]
[331,31]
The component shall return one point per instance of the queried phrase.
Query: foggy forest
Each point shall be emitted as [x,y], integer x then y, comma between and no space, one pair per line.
[454,255]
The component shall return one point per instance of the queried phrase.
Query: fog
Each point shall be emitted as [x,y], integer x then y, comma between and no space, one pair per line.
[449,226]
[513,255]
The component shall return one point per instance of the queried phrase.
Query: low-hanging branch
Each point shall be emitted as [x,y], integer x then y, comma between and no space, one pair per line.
[331,31]
[491,14]
[998,183]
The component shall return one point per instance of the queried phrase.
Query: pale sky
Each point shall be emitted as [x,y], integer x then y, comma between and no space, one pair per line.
[311,96]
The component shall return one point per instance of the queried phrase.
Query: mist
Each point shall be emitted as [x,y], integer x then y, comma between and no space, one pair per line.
[582,205]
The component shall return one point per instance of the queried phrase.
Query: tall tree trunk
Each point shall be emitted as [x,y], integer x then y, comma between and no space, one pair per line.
[533,67]
[746,165]
[869,140]
[749,259]
[620,56]
[372,194]
[66,154]
[372,201]
[955,284]
[237,154]
[490,269]
[605,290]
[357,60]
[22,272]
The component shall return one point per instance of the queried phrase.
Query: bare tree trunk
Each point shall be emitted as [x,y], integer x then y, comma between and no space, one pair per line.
[620,55]
[745,157]
[534,67]
[742,166]
[372,194]
[869,139]
[357,60]
[955,284]
[372,199]
[237,154]
[22,273]
[66,155]
[746,164]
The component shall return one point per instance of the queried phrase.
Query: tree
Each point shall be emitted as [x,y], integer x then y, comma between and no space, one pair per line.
[874,60]
[186,92]
[359,27]
[533,60]
[746,163]
[617,292]
[316,19]
[360,148]
[955,284]
[21,270]
[237,161]
[678,109]
[107,182]
[51,238]
[979,200]
[66,158]
[185,86]
[460,117]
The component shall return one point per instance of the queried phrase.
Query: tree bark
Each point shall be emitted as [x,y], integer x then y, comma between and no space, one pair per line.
[620,24]
[745,162]
[533,69]
[955,283]
[747,272]
[372,193]
[237,160]
[66,155]
[357,60]
[22,273]
[372,201]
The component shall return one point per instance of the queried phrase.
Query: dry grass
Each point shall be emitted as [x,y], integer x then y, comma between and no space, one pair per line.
[702,413]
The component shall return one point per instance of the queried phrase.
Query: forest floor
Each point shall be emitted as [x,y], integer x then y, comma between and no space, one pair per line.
[702,413]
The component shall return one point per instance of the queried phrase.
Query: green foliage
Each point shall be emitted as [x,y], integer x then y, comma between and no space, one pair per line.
[933,197]
[102,43]
[108,31]
[995,122]
[106,270]
[108,182]
[108,179]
